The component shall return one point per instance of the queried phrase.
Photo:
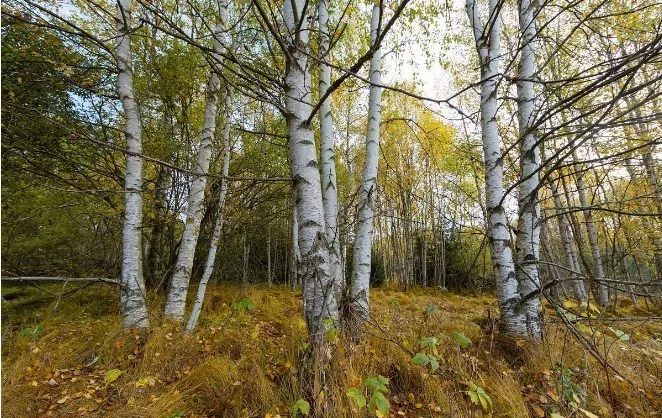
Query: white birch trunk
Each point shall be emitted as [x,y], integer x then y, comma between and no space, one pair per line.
[488,47]
[176,302]
[602,294]
[218,227]
[315,269]
[327,154]
[566,239]
[528,228]
[133,305]
[360,289]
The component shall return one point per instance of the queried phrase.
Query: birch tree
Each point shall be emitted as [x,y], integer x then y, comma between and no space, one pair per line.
[360,288]
[133,305]
[315,266]
[327,154]
[487,38]
[602,295]
[528,228]
[218,226]
[176,302]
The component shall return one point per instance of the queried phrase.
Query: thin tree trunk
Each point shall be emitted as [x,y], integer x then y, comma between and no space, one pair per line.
[154,255]
[327,154]
[133,305]
[269,278]
[218,227]
[176,303]
[602,294]
[360,291]
[578,287]
[528,228]
[315,270]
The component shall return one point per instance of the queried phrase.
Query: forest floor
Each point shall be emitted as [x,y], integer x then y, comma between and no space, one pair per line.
[243,359]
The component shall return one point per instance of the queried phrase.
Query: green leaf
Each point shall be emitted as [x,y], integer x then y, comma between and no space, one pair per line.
[429,342]
[378,402]
[244,305]
[434,364]
[623,336]
[378,385]
[479,397]
[332,335]
[112,375]
[357,395]
[462,339]
[301,406]
[421,359]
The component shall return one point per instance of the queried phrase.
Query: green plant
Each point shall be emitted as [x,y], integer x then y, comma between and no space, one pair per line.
[427,355]
[479,397]
[32,331]
[300,406]
[462,339]
[243,305]
[379,404]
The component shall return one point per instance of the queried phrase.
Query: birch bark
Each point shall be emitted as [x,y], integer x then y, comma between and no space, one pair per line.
[315,270]
[176,302]
[327,154]
[360,289]
[218,226]
[602,294]
[528,229]
[133,305]
[488,48]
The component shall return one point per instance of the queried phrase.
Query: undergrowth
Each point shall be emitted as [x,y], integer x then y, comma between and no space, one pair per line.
[242,359]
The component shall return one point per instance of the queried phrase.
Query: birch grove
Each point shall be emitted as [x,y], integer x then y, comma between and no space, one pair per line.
[380,168]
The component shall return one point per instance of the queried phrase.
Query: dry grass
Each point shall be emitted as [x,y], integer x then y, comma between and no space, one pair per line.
[245,364]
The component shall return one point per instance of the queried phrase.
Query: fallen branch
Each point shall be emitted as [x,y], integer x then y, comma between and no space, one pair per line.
[60,279]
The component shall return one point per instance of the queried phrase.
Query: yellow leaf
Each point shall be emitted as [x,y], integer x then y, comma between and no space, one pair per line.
[539,411]
[63,400]
[588,414]
[112,375]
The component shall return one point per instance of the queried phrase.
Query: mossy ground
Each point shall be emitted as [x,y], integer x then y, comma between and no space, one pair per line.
[242,363]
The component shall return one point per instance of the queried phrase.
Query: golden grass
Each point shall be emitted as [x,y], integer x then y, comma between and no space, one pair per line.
[245,364]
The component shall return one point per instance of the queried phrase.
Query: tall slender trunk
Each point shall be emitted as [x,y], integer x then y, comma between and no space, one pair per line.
[570,255]
[176,303]
[315,269]
[133,305]
[327,154]
[602,293]
[218,226]
[360,291]
[528,228]
[155,253]
[269,277]
[514,320]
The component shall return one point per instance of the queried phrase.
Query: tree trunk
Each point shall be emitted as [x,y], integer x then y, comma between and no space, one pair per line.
[570,255]
[360,292]
[327,154]
[514,320]
[218,227]
[602,294]
[155,253]
[315,270]
[528,228]
[176,302]
[133,304]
